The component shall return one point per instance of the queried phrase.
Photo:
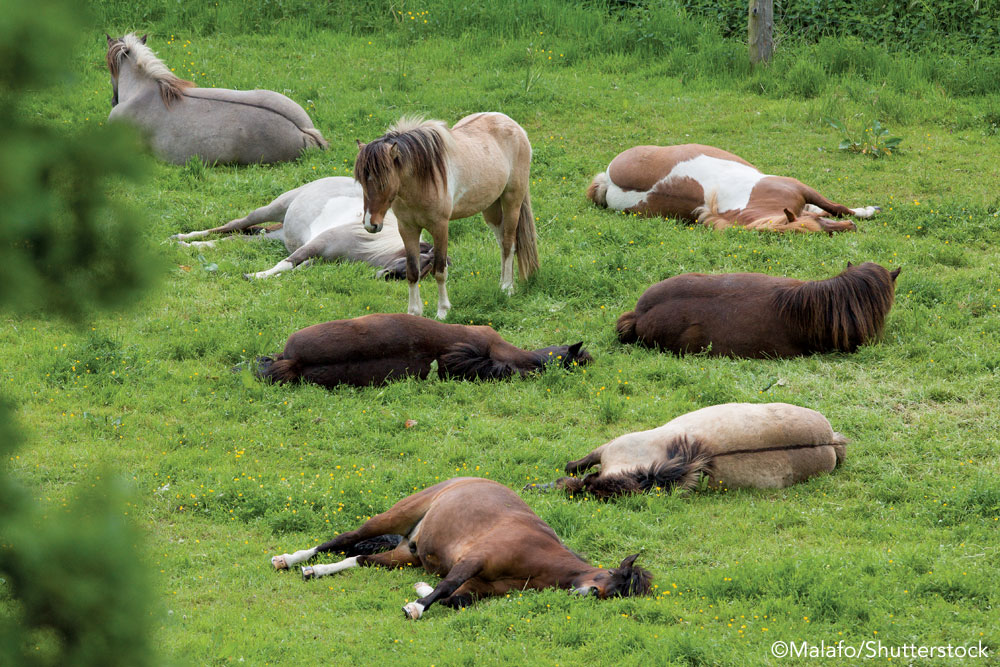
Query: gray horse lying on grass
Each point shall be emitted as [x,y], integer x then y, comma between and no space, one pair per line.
[322,219]
[181,121]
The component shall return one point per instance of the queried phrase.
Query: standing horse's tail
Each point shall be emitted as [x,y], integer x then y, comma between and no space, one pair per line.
[314,138]
[527,240]
[598,190]
[626,328]
[277,370]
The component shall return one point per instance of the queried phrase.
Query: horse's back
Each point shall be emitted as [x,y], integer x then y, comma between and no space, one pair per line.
[641,167]
[730,313]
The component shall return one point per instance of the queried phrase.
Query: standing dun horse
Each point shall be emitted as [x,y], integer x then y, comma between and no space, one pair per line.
[734,445]
[429,175]
[716,188]
[482,538]
[321,219]
[377,348]
[181,121]
[757,315]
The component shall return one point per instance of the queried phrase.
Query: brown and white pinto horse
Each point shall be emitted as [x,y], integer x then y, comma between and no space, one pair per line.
[716,188]
[482,538]
[378,348]
[429,175]
[735,445]
[757,315]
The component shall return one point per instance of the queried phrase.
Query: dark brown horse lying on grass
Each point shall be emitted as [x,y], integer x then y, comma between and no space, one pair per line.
[482,538]
[756,315]
[716,188]
[377,348]
[735,445]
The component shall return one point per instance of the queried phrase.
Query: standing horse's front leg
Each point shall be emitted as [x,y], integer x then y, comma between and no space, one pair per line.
[440,235]
[411,244]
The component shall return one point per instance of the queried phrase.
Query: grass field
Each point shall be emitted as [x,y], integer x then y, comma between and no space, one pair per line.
[899,545]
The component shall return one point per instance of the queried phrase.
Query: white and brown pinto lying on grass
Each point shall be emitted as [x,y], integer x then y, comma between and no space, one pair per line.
[217,125]
[716,188]
[321,219]
[734,445]
[378,348]
[481,538]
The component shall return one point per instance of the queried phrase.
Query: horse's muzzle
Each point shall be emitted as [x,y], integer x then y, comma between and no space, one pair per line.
[586,590]
[369,227]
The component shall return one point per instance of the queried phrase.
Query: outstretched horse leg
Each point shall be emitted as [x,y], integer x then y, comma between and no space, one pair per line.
[817,203]
[273,212]
[439,232]
[461,572]
[330,243]
[400,519]
[399,557]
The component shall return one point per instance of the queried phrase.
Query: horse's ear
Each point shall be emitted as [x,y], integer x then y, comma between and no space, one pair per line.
[394,151]
[895,273]
[143,38]
[789,215]
[361,146]
[574,349]
[629,561]
[111,39]
[850,264]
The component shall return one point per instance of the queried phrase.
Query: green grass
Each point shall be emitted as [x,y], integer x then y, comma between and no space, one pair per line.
[899,545]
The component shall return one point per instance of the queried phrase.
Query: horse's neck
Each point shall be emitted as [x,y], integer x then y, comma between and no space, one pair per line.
[132,84]
[567,567]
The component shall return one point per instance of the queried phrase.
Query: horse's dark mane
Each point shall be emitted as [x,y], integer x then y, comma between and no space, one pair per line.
[470,362]
[421,146]
[842,312]
[686,460]
[633,581]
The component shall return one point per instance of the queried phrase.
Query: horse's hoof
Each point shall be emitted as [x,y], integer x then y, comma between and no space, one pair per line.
[279,562]
[413,610]
[423,589]
[308,573]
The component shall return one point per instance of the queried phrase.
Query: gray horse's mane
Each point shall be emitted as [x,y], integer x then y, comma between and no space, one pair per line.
[171,86]
[420,144]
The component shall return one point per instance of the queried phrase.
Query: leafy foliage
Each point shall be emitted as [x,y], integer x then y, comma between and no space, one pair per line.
[874,140]
[73,592]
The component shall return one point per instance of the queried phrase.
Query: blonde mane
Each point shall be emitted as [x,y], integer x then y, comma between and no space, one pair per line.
[145,61]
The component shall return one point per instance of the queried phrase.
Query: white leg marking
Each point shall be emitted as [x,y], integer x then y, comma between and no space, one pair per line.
[280,267]
[810,208]
[416,307]
[189,235]
[507,273]
[333,568]
[413,610]
[423,589]
[285,561]
[866,212]
[444,305]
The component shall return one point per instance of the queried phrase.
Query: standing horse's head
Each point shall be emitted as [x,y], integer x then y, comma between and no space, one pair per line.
[377,170]
[622,581]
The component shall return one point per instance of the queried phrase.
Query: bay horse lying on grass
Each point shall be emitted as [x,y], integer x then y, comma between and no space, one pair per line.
[321,219]
[482,538]
[378,348]
[716,188]
[181,121]
[757,315]
[735,445]
[429,175]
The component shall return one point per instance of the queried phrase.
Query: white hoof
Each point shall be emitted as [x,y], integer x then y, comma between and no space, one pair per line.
[442,314]
[413,610]
[423,589]
[507,289]
[308,573]
[279,562]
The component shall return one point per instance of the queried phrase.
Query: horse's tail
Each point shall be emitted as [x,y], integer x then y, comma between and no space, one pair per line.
[527,238]
[626,328]
[277,370]
[839,447]
[598,190]
[375,545]
[314,138]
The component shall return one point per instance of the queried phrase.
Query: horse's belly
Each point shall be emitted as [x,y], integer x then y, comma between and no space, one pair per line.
[366,372]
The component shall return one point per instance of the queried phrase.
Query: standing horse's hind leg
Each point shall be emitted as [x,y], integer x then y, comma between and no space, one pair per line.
[511,204]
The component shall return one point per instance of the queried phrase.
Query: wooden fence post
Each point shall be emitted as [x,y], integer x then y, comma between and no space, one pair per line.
[760,31]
